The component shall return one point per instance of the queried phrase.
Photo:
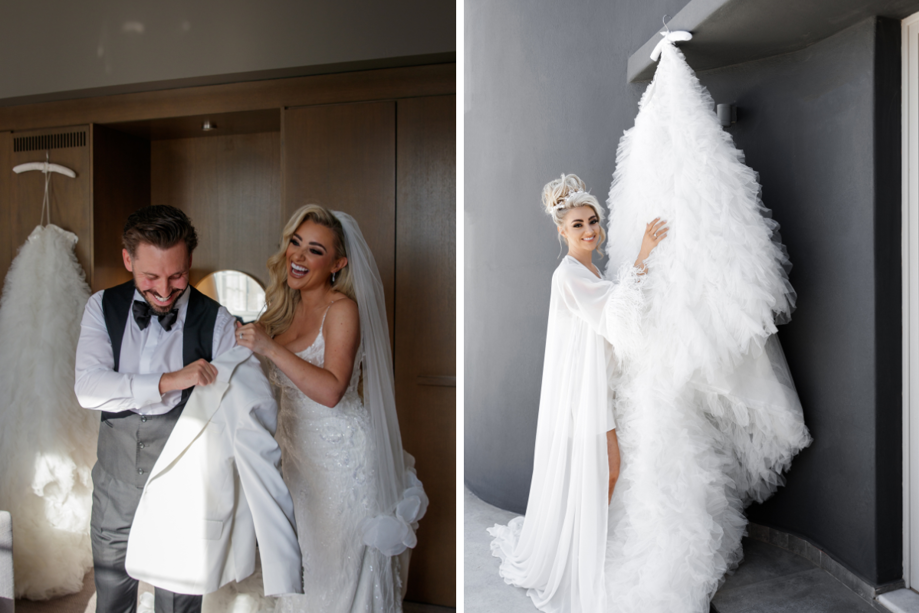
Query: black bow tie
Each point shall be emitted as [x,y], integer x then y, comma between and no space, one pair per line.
[143,311]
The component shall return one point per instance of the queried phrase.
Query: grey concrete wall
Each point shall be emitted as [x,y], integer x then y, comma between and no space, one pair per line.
[816,125]
[60,45]
[546,92]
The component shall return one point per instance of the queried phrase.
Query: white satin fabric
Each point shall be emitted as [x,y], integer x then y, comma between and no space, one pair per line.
[216,488]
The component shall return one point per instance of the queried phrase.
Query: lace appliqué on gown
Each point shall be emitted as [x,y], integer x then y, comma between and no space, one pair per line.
[327,464]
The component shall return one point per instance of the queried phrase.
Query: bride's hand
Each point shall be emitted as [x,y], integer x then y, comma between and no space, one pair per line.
[655,232]
[254,337]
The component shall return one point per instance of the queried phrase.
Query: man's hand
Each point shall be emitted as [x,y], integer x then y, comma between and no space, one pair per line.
[199,372]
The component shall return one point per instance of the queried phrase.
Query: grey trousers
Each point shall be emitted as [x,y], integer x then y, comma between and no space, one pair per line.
[114,505]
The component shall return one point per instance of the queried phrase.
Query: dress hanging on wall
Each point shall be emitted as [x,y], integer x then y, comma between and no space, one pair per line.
[47,441]
[708,416]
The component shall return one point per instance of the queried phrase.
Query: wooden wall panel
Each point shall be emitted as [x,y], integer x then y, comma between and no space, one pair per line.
[358,86]
[230,187]
[343,157]
[425,340]
[7,249]
[121,185]
[71,203]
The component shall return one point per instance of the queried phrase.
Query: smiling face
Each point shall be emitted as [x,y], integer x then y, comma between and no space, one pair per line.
[160,275]
[311,258]
[581,229]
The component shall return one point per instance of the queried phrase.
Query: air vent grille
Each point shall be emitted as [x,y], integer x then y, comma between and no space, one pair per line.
[49,141]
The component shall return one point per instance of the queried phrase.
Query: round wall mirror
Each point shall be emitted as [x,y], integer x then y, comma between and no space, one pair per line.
[242,295]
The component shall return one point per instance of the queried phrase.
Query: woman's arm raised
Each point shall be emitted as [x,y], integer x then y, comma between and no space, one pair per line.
[325,385]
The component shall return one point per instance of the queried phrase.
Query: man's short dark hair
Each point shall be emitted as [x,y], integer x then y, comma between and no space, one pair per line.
[160,225]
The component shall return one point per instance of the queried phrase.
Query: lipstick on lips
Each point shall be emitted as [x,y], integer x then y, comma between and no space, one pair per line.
[298,272]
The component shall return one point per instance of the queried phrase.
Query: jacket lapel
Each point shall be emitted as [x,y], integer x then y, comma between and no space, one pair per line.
[201,406]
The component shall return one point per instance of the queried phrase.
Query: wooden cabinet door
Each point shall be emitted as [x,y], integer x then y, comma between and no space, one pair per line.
[425,357]
[343,156]
[7,249]
[346,157]
[70,199]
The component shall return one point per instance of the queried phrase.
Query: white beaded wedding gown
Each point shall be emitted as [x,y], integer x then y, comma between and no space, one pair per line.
[327,463]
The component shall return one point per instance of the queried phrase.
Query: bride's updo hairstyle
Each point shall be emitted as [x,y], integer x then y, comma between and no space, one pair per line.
[570,192]
[282,300]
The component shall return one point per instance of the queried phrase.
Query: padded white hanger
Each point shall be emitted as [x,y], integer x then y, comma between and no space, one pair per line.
[672,37]
[46,167]
[669,37]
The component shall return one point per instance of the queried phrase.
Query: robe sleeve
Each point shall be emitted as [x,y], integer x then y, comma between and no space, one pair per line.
[613,310]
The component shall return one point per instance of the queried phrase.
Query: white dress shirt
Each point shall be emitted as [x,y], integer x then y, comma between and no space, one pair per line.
[145,356]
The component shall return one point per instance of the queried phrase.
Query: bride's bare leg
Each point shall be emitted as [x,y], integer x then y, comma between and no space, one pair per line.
[612,452]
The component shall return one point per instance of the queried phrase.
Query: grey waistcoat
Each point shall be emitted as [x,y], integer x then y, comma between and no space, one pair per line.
[129,444]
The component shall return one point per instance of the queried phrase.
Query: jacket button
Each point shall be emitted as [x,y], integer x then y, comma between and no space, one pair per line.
[143,418]
[140,471]
[140,445]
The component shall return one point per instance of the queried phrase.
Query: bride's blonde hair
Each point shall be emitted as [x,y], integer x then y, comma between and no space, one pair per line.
[282,300]
[569,192]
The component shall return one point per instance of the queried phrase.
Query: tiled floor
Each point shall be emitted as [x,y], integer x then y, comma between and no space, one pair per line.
[770,580]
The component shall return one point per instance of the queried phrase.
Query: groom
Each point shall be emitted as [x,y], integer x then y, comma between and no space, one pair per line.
[143,346]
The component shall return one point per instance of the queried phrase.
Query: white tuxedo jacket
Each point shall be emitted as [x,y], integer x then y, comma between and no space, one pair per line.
[215,488]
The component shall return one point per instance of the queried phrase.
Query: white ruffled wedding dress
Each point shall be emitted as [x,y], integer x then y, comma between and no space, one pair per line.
[706,412]
[47,440]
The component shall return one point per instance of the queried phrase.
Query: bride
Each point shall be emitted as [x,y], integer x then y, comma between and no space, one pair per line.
[356,496]
[557,550]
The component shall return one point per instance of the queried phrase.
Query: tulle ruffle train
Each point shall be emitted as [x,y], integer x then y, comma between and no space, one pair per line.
[707,416]
[47,441]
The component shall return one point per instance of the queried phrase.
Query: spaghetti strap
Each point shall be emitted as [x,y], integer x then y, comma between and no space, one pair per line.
[322,325]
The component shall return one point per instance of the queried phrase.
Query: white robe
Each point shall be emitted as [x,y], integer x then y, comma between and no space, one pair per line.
[557,550]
